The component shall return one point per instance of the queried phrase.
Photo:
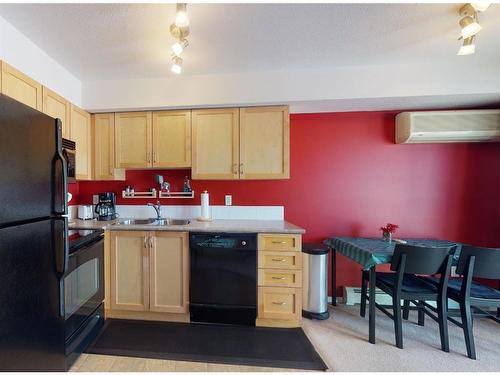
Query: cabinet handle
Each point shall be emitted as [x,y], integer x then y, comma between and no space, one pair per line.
[154,157]
[278,259]
[151,242]
[279,242]
[145,242]
[235,168]
[278,303]
[278,278]
[241,168]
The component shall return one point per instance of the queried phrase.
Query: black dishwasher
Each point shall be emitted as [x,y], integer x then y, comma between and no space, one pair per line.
[223,287]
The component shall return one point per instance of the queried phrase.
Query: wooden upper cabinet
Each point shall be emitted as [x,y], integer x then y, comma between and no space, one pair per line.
[264,143]
[215,144]
[129,270]
[20,87]
[169,272]
[81,133]
[104,148]
[172,139]
[133,140]
[56,106]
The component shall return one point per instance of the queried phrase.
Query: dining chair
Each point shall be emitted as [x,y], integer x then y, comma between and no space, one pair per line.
[404,285]
[479,262]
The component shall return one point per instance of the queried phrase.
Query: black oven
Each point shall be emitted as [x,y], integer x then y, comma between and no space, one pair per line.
[83,289]
[69,154]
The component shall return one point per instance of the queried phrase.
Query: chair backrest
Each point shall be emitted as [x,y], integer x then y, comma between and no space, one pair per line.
[487,261]
[421,259]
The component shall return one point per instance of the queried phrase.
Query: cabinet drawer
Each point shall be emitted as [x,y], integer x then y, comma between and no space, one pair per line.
[288,278]
[280,260]
[280,242]
[279,303]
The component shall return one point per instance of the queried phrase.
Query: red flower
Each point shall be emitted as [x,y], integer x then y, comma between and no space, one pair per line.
[389,228]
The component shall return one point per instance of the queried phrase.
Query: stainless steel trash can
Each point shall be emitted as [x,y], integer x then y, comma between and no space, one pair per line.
[314,282]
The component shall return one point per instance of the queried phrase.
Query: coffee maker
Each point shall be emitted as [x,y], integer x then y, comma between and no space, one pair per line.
[105,209]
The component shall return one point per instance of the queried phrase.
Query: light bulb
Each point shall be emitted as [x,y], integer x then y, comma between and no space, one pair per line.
[176,65]
[181,17]
[179,46]
[481,6]
[469,27]
[468,47]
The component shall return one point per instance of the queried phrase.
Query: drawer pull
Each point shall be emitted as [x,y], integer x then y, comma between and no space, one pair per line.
[278,303]
[278,259]
[278,278]
[279,242]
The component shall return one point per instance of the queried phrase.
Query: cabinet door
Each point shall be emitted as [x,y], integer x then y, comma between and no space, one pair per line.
[133,135]
[56,106]
[82,135]
[264,143]
[172,139]
[19,86]
[129,270]
[104,148]
[169,272]
[215,144]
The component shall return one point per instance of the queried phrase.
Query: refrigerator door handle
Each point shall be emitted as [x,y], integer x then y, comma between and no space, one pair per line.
[61,245]
[59,177]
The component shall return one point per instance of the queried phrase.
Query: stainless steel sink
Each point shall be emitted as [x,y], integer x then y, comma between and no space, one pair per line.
[136,221]
[172,222]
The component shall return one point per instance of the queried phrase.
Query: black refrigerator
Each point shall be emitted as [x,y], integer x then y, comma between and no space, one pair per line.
[33,239]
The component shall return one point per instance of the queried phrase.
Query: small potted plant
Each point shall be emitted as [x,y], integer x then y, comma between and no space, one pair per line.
[388,230]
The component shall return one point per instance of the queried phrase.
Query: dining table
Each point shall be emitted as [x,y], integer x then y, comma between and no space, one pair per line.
[369,253]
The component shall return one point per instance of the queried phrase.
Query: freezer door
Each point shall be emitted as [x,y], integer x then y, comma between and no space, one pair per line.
[31,170]
[32,321]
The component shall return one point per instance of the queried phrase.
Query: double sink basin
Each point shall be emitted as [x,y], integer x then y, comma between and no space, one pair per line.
[153,222]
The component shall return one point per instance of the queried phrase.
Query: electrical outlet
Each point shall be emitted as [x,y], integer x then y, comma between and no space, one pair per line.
[95,199]
[229,200]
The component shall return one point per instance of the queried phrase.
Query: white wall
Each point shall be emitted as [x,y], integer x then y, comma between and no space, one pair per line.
[336,89]
[18,51]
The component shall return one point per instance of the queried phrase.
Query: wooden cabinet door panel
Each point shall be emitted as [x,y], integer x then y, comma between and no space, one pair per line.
[215,144]
[20,87]
[172,139]
[56,106]
[133,139]
[104,143]
[264,143]
[129,270]
[169,272]
[81,133]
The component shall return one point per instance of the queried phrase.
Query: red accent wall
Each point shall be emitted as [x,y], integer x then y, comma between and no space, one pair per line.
[349,178]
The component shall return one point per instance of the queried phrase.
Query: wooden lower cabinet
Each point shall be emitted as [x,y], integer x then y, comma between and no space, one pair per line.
[148,275]
[279,296]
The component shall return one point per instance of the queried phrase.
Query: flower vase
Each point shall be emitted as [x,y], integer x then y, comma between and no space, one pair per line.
[387,236]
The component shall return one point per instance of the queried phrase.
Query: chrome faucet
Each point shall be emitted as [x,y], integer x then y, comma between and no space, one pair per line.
[157,208]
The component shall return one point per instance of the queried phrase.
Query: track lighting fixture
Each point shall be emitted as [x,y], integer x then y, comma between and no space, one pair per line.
[468,47]
[470,26]
[176,65]
[179,30]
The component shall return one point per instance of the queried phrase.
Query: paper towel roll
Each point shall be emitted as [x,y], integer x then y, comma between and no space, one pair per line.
[205,205]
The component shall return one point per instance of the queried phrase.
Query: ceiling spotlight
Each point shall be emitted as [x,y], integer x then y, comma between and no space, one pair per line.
[481,6]
[179,46]
[469,27]
[181,17]
[176,65]
[468,47]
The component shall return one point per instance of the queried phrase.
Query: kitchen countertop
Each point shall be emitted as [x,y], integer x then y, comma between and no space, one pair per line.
[248,226]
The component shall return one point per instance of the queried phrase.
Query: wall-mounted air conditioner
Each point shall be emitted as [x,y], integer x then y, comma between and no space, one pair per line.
[448,126]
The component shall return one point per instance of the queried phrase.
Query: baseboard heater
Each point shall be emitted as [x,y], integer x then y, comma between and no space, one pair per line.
[352,296]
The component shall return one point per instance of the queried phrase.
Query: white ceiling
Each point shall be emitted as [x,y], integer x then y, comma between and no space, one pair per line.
[130,41]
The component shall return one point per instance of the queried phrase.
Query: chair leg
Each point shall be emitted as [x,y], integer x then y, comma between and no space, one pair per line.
[443,323]
[466,314]
[364,282]
[398,323]
[406,309]
[421,314]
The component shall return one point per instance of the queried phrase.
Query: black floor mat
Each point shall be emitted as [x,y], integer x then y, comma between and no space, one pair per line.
[251,346]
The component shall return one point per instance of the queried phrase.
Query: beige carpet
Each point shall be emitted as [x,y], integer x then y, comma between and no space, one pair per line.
[342,341]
